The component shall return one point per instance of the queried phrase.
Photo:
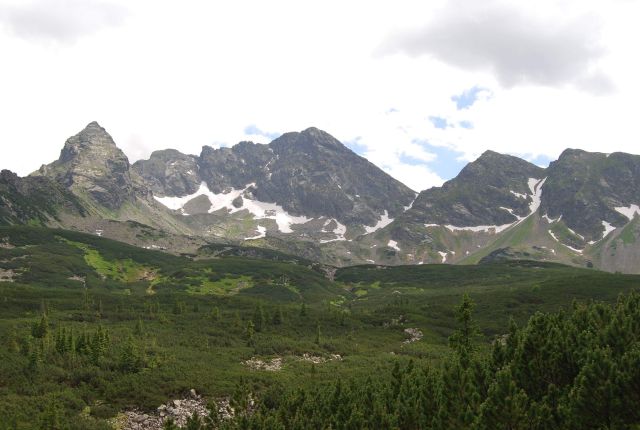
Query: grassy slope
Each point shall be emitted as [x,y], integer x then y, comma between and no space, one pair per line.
[191,349]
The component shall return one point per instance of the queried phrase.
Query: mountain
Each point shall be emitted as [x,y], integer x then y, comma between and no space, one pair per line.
[308,174]
[306,194]
[90,163]
[36,200]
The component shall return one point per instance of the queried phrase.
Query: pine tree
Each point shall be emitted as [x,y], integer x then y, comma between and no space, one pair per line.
[51,417]
[41,330]
[258,317]
[277,316]
[139,329]
[303,310]
[317,341]
[462,340]
[130,361]
[249,333]
[506,405]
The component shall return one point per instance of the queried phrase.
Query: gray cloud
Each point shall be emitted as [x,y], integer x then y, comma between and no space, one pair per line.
[518,49]
[62,21]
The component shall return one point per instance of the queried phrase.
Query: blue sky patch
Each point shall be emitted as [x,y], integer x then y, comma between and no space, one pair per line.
[466,124]
[467,98]
[438,122]
[540,160]
[253,129]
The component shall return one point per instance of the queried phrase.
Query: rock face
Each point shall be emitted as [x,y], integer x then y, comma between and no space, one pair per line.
[32,199]
[308,195]
[91,163]
[585,188]
[308,173]
[480,193]
[169,172]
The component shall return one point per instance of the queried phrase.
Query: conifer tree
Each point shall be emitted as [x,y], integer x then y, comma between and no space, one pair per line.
[258,317]
[250,332]
[317,340]
[462,340]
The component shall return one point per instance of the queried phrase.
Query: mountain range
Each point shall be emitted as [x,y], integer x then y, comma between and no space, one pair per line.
[306,194]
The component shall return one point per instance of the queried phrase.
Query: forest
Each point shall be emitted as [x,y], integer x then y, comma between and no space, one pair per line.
[92,328]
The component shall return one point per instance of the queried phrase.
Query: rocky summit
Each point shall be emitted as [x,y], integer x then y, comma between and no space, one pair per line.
[91,163]
[306,194]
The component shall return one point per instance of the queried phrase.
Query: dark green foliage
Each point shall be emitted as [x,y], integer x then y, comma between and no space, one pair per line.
[77,351]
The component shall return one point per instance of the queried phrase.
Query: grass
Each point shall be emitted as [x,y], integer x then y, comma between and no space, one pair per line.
[362,316]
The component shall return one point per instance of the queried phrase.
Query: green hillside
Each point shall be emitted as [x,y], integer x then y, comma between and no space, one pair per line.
[91,327]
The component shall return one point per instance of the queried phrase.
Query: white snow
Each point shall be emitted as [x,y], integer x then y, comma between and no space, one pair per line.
[551,220]
[260,210]
[406,208]
[576,234]
[579,251]
[479,228]
[519,218]
[432,225]
[535,185]
[99,232]
[370,261]
[339,231]
[393,244]
[443,255]
[262,232]
[384,221]
[608,228]
[522,196]
[630,211]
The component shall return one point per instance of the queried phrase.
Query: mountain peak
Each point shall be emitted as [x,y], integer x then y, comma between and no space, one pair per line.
[91,161]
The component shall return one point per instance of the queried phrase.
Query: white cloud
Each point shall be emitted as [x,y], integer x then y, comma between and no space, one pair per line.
[518,47]
[59,20]
[199,73]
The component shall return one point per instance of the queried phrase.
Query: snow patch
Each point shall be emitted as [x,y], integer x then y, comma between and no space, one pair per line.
[443,255]
[608,228]
[522,196]
[432,225]
[262,232]
[535,185]
[384,221]
[260,210]
[519,218]
[393,244]
[576,234]
[406,208]
[479,228]
[551,220]
[339,231]
[629,212]
[579,251]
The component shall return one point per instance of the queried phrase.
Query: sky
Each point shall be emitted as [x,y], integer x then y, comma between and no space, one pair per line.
[418,88]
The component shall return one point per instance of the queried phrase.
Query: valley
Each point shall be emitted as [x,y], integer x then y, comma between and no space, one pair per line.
[176,323]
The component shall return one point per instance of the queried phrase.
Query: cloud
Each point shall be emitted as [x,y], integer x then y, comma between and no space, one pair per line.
[63,21]
[517,47]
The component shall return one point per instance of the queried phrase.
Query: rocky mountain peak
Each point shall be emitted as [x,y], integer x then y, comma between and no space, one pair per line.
[310,140]
[91,162]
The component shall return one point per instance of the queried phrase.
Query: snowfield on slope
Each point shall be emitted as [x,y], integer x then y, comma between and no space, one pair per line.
[260,210]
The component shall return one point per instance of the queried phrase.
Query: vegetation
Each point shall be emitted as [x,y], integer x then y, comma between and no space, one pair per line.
[91,327]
